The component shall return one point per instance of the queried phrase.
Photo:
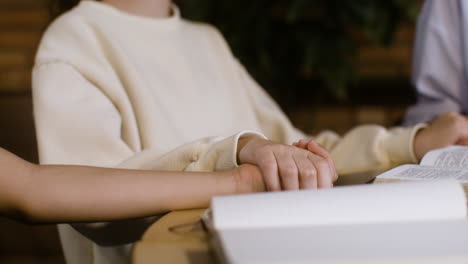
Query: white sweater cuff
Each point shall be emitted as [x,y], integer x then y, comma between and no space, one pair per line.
[400,144]
[228,159]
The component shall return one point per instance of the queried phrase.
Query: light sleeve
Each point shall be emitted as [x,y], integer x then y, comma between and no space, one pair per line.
[79,123]
[439,61]
[372,147]
[76,123]
[364,148]
[206,154]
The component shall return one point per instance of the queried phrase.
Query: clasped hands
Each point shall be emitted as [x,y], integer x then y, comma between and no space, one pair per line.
[307,165]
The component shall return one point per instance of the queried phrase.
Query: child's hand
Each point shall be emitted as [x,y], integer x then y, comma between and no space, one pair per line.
[285,167]
[445,130]
[316,148]
[248,179]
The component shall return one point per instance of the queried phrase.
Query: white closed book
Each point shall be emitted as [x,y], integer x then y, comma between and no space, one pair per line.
[411,222]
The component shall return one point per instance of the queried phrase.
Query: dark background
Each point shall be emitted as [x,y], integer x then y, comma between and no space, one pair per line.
[330,64]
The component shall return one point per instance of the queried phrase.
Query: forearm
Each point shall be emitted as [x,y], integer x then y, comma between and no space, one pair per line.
[78,193]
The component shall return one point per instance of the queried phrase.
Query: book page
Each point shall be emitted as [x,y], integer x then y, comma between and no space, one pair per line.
[419,172]
[372,203]
[449,157]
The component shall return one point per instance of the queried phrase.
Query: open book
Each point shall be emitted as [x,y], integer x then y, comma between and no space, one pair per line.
[384,223]
[450,162]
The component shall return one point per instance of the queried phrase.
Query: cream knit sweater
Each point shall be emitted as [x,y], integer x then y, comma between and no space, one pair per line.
[112,89]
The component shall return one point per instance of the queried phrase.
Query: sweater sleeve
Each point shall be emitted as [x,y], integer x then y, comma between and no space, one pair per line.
[364,148]
[207,154]
[77,122]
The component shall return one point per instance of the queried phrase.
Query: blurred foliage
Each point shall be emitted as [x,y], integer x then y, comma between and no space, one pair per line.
[286,44]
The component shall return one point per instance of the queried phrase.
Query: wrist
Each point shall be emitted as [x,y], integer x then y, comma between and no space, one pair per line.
[242,147]
[248,179]
[419,144]
[231,181]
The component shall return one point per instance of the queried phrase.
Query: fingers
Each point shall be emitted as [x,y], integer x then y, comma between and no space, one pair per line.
[269,168]
[314,147]
[288,172]
[294,167]
[325,173]
[301,143]
[307,173]
[304,170]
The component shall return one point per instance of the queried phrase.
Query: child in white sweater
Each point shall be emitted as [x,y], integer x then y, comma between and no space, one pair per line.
[130,83]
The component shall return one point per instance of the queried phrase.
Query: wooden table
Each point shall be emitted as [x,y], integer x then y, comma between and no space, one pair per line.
[177,238]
